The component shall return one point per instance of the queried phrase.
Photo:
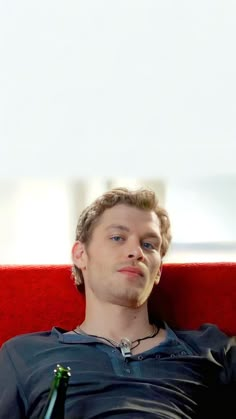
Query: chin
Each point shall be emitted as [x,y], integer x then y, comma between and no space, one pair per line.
[132,301]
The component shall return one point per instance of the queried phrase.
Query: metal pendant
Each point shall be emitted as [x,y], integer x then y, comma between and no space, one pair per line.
[125,346]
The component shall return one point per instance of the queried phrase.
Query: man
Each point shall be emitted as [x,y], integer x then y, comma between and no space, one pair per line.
[122,365]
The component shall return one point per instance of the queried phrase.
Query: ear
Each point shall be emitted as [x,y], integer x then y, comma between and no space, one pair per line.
[158,275]
[79,255]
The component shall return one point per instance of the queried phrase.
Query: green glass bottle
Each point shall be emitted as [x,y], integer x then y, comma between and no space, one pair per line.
[55,405]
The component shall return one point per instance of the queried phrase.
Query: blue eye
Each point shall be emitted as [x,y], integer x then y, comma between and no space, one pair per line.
[148,246]
[116,238]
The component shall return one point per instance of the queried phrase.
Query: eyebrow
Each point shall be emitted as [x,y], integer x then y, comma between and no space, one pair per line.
[118,226]
[124,228]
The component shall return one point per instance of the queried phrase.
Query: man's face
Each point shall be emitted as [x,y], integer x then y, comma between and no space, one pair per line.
[122,260]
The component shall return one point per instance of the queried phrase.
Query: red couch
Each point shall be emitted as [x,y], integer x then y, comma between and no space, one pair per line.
[34,298]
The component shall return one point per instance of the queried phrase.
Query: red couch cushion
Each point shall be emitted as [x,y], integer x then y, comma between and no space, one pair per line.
[36,298]
[192,294]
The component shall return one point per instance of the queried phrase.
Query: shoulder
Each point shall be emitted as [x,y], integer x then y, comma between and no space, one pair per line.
[27,344]
[207,336]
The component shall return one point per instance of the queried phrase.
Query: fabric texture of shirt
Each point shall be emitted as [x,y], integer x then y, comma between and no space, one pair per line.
[192,374]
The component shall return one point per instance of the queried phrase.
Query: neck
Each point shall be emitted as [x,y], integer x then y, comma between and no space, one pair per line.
[115,322]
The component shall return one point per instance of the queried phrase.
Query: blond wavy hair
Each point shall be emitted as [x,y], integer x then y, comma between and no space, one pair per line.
[144,199]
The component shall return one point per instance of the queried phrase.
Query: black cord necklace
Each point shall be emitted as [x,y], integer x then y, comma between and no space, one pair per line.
[125,345]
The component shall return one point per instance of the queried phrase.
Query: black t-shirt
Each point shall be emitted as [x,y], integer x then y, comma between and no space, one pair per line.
[192,374]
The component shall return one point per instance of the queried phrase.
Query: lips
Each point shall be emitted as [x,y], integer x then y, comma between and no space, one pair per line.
[131,270]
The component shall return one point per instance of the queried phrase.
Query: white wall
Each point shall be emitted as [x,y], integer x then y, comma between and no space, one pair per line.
[35,222]
[203,210]
[202,213]
[134,88]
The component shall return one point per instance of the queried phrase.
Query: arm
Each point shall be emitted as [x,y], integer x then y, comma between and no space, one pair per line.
[228,377]
[12,399]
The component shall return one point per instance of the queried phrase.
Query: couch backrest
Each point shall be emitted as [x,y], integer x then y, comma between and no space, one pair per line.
[36,298]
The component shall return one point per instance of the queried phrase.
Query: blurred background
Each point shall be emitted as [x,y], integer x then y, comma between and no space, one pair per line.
[103,93]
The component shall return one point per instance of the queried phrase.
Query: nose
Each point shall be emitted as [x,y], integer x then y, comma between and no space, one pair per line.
[135,252]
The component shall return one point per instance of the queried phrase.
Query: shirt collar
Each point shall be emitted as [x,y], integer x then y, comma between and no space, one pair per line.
[75,338]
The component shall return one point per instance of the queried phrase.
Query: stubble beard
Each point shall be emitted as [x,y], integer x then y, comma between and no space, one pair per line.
[130,295]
